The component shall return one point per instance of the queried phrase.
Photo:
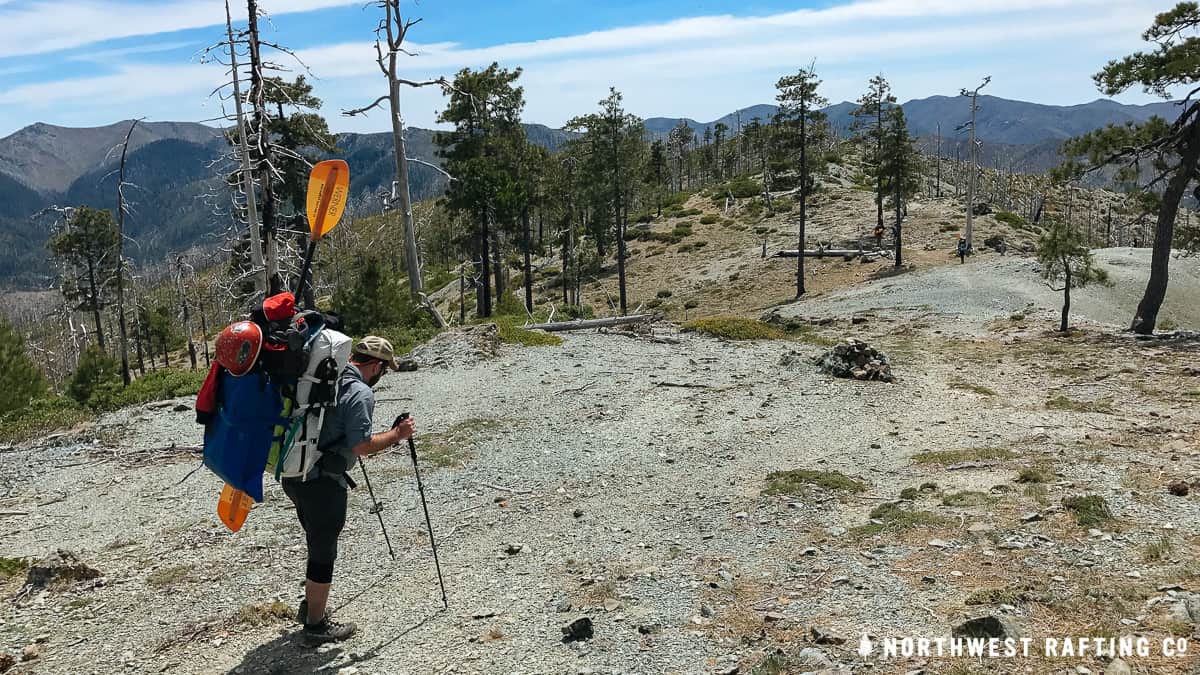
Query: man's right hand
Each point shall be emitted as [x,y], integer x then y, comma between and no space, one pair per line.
[404,430]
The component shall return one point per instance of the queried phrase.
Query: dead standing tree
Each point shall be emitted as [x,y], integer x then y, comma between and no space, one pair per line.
[122,205]
[255,151]
[392,30]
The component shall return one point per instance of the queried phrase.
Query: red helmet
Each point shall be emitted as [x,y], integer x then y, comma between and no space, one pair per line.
[238,345]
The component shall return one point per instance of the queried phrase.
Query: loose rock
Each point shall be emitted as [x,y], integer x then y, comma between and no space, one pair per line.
[1118,667]
[1179,488]
[823,638]
[987,627]
[578,629]
[63,566]
[30,652]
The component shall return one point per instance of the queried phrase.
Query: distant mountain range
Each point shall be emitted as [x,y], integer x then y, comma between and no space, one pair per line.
[177,167]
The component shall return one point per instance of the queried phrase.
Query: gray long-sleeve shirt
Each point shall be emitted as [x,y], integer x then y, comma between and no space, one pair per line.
[346,424]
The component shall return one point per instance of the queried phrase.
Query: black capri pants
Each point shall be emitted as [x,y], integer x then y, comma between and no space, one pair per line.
[321,508]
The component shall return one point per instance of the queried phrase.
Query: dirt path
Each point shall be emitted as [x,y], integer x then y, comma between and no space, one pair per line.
[629,474]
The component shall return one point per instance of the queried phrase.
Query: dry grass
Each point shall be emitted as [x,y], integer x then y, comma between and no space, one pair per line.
[963,455]
[1104,405]
[166,577]
[970,386]
[264,613]
[1089,510]
[893,517]
[796,482]
[454,445]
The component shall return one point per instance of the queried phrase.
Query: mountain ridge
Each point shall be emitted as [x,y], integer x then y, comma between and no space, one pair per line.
[175,164]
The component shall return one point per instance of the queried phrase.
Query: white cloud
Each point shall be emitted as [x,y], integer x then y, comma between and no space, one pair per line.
[49,25]
[704,66]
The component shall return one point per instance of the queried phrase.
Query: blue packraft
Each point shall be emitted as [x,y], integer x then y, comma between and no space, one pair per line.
[238,439]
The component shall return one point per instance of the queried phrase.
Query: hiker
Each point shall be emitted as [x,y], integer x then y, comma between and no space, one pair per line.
[320,497]
[878,236]
[962,249]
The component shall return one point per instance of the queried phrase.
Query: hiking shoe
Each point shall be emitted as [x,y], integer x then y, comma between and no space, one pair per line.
[302,612]
[327,631]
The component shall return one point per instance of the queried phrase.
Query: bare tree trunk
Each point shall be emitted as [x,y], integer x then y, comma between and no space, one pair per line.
[95,304]
[204,334]
[1146,316]
[896,235]
[256,253]
[125,379]
[485,298]
[263,142]
[187,321]
[803,198]
[528,263]
[396,28]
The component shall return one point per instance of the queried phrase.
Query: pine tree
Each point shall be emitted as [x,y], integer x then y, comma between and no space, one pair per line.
[1170,150]
[800,115]
[899,169]
[616,149]
[86,248]
[95,367]
[485,108]
[20,379]
[1065,257]
[658,174]
[373,300]
[870,127]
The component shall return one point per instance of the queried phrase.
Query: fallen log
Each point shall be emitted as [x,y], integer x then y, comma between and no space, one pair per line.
[592,323]
[820,253]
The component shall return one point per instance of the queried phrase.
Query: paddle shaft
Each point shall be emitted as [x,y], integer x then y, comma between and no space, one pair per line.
[306,269]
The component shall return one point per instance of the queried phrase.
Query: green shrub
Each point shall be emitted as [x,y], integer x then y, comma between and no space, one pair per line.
[20,379]
[691,304]
[95,368]
[664,293]
[579,311]
[676,200]
[794,481]
[699,244]
[1089,510]
[893,517]
[741,187]
[690,212]
[40,417]
[734,328]
[511,332]
[156,385]
[682,230]
[1012,220]
[708,219]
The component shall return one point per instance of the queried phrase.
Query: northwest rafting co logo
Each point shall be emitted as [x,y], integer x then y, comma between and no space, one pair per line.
[1001,648]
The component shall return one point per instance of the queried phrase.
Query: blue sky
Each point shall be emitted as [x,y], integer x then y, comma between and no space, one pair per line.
[94,62]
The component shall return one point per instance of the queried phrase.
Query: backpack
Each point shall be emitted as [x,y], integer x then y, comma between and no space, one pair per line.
[316,391]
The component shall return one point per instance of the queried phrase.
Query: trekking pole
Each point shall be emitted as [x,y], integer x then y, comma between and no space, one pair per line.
[412,452]
[376,508]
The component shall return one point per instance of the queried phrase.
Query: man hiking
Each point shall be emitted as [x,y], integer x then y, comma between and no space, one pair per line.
[962,249]
[320,497]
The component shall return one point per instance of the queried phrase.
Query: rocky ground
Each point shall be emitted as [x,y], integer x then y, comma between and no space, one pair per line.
[710,506]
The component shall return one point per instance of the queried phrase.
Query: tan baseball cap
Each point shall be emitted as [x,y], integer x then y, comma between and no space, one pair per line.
[377,348]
